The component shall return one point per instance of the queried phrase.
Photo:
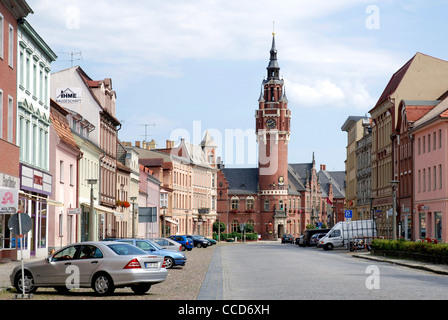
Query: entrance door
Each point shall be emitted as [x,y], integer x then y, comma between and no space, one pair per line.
[280,230]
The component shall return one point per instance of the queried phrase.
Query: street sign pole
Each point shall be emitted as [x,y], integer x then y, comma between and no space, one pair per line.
[21,252]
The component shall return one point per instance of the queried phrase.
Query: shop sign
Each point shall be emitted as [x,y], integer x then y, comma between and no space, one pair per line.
[9,200]
[68,95]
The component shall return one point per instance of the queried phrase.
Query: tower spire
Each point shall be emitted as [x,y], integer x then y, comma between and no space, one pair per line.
[273,68]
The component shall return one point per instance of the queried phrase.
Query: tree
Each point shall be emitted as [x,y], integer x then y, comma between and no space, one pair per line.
[219,224]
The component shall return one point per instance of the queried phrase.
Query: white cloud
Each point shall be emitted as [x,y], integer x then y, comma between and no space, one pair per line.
[325,93]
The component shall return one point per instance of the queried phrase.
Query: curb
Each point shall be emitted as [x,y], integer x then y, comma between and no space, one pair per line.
[438,269]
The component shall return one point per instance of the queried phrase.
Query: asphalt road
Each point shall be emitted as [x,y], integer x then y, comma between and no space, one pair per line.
[265,271]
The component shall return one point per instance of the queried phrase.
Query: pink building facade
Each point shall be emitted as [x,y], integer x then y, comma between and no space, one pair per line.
[65,154]
[430,134]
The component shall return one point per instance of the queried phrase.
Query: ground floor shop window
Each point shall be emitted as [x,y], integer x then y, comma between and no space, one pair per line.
[438,225]
[42,224]
[422,225]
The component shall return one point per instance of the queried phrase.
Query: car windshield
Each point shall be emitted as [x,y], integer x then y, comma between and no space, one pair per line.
[124,249]
[155,245]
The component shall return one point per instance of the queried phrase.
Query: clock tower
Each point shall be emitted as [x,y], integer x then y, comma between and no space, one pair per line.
[273,119]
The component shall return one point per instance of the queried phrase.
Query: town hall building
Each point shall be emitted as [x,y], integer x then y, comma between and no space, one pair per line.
[277,197]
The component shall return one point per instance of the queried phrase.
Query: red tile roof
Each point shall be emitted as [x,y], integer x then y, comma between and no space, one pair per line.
[60,124]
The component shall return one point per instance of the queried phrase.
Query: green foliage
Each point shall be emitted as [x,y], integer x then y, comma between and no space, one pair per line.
[427,247]
[222,226]
[238,235]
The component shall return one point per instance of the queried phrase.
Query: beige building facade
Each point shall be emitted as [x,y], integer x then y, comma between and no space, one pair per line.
[422,78]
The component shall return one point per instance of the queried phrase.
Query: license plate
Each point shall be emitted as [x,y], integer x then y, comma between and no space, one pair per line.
[151,264]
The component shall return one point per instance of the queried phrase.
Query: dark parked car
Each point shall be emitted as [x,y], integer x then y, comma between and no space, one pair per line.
[299,240]
[305,241]
[287,238]
[314,240]
[198,241]
[187,243]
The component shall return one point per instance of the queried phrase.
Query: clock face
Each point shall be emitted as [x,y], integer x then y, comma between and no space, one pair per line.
[270,123]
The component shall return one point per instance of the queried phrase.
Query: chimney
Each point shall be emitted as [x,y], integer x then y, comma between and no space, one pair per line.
[169,144]
[137,144]
[323,167]
[152,144]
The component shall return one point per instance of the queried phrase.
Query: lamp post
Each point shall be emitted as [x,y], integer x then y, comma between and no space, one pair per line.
[394,210]
[132,216]
[91,215]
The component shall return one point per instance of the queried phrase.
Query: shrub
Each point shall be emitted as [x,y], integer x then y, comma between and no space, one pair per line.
[427,247]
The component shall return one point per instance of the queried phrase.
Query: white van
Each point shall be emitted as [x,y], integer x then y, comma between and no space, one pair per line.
[345,231]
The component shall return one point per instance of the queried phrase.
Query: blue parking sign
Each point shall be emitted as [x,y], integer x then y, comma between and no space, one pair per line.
[348,214]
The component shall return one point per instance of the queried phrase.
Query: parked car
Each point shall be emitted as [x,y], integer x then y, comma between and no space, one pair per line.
[287,238]
[299,240]
[308,234]
[103,266]
[167,244]
[212,241]
[171,258]
[187,243]
[315,238]
[198,241]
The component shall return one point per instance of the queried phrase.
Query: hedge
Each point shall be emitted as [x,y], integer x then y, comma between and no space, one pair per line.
[233,235]
[426,250]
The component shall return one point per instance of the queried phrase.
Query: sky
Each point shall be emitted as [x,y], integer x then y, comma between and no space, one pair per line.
[181,67]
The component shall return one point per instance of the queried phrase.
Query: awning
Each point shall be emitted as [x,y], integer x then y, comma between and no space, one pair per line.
[42,199]
[99,207]
[171,221]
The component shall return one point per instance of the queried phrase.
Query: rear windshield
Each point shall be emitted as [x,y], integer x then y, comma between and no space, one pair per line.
[124,249]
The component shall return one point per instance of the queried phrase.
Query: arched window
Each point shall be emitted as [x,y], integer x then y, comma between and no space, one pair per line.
[235,226]
[234,203]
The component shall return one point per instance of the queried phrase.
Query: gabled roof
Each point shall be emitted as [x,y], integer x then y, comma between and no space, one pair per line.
[437,112]
[394,82]
[242,181]
[60,124]
[91,84]
[336,179]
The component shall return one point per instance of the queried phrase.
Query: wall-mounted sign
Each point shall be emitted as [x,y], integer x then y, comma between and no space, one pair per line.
[35,180]
[73,210]
[68,95]
[9,200]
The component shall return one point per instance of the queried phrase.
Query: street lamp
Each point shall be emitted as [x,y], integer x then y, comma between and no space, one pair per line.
[91,215]
[132,216]
[394,210]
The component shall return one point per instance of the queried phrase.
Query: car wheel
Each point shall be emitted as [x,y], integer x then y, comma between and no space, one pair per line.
[189,249]
[183,248]
[169,262]
[29,283]
[141,288]
[198,245]
[329,247]
[103,285]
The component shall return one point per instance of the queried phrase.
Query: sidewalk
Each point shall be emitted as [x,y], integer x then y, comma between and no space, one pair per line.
[5,271]
[435,268]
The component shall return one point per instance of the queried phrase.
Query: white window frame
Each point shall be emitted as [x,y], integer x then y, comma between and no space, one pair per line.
[2,37]
[10,120]
[11,46]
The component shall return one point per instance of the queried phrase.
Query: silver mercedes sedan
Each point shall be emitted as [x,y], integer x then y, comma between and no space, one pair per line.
[102,266]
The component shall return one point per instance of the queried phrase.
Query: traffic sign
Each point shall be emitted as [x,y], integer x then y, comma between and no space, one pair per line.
[14,226]
[348,214]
